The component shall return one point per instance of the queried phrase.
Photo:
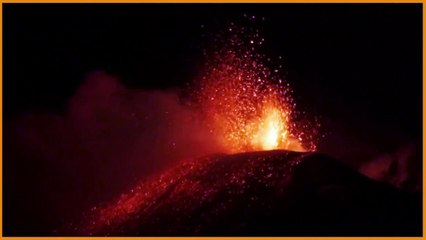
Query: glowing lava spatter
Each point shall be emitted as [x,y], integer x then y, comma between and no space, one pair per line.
[247,106]
[246,102]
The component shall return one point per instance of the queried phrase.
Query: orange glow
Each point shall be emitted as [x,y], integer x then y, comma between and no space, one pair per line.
[247,104]
[271,130]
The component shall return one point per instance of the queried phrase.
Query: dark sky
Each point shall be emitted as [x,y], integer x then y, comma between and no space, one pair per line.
[347,62]
[356,66]
[367,56]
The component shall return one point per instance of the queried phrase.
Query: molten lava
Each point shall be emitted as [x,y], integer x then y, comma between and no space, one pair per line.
[247,103]
[272,132]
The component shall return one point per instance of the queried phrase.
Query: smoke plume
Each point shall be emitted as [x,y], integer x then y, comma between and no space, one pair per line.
[109,137]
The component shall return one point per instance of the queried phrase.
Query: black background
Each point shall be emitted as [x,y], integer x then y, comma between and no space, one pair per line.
[365,58]
[357,66]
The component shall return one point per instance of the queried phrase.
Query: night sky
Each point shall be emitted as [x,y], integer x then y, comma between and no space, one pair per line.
[357,67]
[366,56]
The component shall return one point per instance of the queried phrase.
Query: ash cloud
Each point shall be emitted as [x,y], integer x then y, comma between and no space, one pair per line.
[109,138]
[400,168]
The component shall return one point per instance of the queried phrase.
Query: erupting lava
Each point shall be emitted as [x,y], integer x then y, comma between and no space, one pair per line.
[272,132]
[245,100]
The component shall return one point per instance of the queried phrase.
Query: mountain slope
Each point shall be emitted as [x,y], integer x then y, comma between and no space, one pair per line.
[276,193]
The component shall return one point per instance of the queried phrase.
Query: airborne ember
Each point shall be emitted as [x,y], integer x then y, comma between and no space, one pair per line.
[246,101]
[212,120]
[247,107]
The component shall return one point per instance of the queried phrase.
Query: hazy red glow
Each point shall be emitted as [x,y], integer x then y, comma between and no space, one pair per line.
[243,105]
[247,104]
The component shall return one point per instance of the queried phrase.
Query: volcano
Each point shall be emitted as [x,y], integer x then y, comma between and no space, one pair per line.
[267,193]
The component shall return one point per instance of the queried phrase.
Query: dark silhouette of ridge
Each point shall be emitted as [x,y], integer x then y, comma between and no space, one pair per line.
[271,193]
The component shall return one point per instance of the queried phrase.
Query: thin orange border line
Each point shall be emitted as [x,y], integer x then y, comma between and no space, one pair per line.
[213,238]
[1,120]
[424,117]
[203,1]
[211,1]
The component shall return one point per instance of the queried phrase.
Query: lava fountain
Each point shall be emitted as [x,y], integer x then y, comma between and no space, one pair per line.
[247,104]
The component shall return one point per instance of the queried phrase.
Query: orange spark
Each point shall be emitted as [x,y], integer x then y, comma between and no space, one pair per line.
[248,106]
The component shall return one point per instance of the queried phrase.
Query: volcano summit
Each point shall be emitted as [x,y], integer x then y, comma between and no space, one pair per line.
[273,193]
